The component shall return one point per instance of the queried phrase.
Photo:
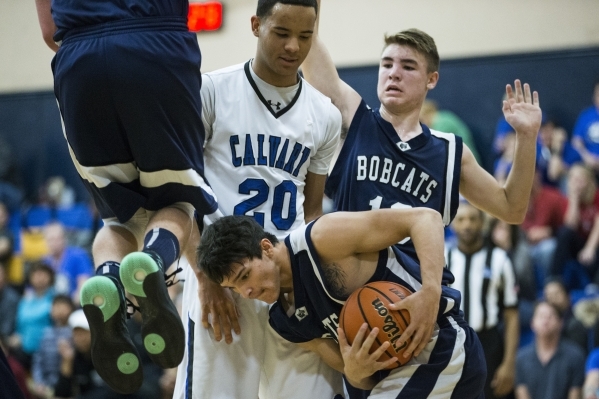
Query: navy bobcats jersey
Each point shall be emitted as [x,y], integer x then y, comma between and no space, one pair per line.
[316,309]
[69,14]
[376,169]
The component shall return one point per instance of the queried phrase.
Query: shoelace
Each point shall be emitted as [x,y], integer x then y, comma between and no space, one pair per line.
[131,305]
[170,280]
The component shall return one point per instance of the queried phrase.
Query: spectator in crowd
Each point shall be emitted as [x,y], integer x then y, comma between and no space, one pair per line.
[591,381]
[33,313]
[485,277]
[555,293]
[578,238]
[55,193]
[503,164]
[46,360]
[585,137]
[77,376]
[11,193]
[72,265]
[448,122]
[551,367]
[512,240]
[544,217]
[555,155]
[9,300]
[6,237]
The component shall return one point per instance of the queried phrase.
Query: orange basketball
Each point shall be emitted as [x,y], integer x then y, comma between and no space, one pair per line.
[370,304]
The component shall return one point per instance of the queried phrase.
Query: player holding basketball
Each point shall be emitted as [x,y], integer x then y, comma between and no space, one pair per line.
[270,140]
[127,80]
[308,276]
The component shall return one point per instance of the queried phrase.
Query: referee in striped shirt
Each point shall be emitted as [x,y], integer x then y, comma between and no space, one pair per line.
[485,277]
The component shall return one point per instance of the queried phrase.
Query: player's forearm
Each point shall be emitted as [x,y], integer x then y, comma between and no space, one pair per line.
[44,15]
[428,237]
[519,181]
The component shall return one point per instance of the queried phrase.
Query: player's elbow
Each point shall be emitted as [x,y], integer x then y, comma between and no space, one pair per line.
[429,216]
[48,36]
[51,44]
[514,216]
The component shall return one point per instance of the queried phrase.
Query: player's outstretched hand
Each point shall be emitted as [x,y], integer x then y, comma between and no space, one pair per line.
[359,363]
[423,307]
[521,109]
[219,310]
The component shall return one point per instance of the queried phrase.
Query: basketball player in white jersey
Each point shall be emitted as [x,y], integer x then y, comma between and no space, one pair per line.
[270,140]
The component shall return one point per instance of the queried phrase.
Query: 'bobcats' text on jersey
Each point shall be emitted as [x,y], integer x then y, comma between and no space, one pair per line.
[375,169]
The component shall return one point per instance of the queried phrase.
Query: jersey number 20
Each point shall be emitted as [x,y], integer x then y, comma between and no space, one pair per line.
[262,190]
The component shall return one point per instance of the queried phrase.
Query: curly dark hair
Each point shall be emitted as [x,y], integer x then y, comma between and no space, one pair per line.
[230,240]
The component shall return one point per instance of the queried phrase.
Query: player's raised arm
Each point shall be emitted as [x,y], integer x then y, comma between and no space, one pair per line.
[319,70]
[507,202]
[44,16]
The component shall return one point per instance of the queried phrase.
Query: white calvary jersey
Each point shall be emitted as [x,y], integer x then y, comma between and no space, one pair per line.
[261,141]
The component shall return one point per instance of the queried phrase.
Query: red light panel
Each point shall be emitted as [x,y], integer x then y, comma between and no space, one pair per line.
[205,16]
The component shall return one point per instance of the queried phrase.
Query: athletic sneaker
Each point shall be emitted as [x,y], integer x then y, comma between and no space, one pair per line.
[114,356]
[143,276]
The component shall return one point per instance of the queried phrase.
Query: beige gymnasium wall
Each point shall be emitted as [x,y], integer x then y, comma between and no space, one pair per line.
[352,30]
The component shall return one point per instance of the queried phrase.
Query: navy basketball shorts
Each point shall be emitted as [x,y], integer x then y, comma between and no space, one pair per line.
[129,97]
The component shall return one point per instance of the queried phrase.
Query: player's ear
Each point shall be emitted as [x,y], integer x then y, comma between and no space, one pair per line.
[433,78]
[266,246]
[255,25]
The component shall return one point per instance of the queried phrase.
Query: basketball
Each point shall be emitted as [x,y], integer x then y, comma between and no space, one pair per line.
[369,304]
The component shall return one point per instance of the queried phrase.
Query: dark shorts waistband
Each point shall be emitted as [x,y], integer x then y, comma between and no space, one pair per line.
[128,25]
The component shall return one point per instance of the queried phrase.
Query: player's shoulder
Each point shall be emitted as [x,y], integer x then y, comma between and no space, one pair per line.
[313,93]
[225,72]
[443,135]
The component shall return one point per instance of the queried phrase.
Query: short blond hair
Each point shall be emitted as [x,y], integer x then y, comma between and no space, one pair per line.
[421,42]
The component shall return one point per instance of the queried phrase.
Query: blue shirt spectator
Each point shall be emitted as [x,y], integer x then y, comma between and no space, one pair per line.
[585,137]
[72,265]
[33,314]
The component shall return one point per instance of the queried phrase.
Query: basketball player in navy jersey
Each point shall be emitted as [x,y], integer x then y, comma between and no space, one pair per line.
[390,160]
[270,138]
[127,80]
[308,276]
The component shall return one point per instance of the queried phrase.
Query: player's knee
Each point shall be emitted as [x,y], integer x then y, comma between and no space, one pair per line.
[184,207]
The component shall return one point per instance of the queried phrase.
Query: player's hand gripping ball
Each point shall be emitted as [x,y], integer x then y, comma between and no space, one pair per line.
[370,304]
